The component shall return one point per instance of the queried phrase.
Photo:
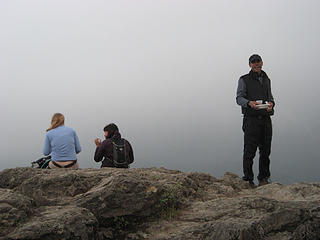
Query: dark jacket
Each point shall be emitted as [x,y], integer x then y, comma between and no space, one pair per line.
[258,87]
[105,151]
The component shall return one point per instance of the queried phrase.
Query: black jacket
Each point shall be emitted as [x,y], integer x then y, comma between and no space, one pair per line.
[105,151]
[258,87]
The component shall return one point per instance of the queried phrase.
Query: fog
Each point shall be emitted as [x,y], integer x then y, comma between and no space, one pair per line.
[166,73]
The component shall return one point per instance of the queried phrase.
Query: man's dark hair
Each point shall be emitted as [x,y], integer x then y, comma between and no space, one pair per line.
[255,57]
[111,129]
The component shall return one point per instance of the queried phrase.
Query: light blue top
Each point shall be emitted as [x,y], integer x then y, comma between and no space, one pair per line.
[63,144]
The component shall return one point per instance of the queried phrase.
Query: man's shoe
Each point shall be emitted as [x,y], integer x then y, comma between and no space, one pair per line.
[263,182]
[252,185]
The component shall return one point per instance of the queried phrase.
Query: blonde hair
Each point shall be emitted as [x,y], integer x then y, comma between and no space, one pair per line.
[56,121]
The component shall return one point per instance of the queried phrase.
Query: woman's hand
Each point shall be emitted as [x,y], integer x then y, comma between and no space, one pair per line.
[97,141]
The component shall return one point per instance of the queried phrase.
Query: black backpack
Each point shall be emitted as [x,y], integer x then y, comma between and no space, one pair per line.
[120,158]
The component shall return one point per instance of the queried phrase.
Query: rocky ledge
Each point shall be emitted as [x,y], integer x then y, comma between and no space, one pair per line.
[157,204]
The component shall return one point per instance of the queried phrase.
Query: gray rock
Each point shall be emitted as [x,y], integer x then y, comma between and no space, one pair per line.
[154,203]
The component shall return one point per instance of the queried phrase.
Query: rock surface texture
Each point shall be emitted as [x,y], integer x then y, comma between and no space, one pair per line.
[156,204]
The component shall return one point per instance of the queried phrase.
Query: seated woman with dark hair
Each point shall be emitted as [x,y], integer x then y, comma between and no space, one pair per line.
[114,151]
[62,143]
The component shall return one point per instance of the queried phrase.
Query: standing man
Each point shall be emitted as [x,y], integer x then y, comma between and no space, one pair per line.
[257,103]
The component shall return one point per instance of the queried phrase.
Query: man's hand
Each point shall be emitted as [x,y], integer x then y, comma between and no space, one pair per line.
[97,141]
[253,104]
[269,109]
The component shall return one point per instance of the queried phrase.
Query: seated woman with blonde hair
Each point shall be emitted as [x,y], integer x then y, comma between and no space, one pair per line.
[62,143]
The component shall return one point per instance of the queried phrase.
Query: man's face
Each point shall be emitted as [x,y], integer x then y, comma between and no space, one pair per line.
[256,65]
[106,133]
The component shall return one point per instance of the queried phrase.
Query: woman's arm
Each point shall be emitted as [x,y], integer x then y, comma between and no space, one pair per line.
[47,147]
[100,152]
[77,143]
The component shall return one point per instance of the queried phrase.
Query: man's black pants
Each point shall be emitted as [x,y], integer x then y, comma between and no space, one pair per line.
[257,133]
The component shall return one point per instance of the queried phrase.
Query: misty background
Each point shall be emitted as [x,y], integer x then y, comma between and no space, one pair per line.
[166,73]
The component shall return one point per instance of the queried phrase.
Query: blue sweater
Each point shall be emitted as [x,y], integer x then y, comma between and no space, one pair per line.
[63,144]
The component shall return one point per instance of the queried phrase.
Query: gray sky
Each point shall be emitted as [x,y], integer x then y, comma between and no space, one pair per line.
[166,72]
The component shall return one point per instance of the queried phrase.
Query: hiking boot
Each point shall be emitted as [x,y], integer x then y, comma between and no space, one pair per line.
[251,184]
[263,181]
